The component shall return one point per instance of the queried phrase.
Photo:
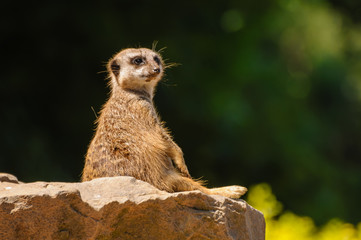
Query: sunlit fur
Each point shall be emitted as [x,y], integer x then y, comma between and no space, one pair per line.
[130,139]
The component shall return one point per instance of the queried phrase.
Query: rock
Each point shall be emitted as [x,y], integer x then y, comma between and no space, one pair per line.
[121,208]
[6,177]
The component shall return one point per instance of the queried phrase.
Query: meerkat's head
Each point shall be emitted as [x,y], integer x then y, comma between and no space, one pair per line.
[136,69]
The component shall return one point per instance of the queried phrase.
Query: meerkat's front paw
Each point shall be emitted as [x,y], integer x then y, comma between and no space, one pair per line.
[229,191]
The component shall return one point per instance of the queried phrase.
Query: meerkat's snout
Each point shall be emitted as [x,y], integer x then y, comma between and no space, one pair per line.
[154,70]
[153,73]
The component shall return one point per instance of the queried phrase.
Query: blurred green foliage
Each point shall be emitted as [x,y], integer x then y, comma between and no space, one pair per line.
[267,91]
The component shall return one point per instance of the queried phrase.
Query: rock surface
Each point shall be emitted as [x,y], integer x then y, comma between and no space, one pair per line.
[120,208]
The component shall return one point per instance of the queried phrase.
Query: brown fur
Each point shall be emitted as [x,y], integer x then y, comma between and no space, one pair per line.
[130,140]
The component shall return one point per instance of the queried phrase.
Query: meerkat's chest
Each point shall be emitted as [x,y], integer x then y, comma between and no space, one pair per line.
[132,118]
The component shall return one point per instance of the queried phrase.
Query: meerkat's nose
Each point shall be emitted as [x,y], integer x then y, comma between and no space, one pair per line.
[156,70]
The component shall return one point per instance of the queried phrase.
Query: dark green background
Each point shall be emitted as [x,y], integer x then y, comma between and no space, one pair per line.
[267,91]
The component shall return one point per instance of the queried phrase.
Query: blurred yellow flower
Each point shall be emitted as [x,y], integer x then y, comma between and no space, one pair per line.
[261,198]
[287,225]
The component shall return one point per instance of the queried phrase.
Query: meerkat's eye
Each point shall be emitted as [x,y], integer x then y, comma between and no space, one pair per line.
[157,60]
[138,61]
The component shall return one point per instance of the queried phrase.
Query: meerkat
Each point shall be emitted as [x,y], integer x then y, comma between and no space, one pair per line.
[130,139]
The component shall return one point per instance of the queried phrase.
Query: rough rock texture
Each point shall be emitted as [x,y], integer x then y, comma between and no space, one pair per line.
[120,208]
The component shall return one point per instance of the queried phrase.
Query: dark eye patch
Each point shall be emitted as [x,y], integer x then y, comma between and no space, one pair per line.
[157,60]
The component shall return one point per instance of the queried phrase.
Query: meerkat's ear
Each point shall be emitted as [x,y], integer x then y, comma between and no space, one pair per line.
[114,67]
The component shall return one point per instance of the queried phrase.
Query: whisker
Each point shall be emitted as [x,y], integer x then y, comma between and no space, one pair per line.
[162,49]
[154,45]
[104,71]
[170,65]
[96,116]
